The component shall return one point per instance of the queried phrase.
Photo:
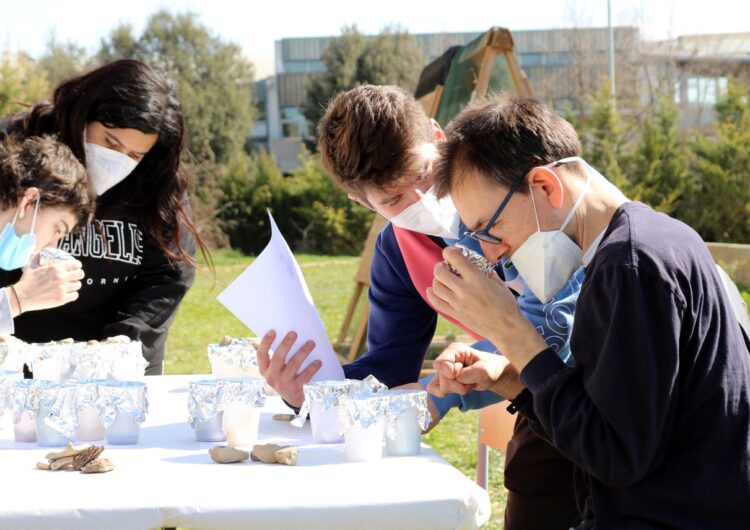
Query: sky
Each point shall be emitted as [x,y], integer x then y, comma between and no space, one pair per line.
[255,26]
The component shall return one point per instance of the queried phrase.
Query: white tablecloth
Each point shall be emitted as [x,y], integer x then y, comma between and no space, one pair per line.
[169,480]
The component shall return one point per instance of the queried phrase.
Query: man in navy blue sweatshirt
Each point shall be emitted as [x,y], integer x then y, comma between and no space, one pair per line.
[379,145]
[655,413]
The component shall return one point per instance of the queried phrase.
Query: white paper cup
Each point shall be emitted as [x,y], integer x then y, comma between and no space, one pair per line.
[25,429]
[240,424]
[365,444]
[325,423]
[124,430]
[408,435]
[210,430]
[90,427]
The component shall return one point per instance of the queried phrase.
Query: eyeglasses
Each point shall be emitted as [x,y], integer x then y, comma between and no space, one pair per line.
[484,234]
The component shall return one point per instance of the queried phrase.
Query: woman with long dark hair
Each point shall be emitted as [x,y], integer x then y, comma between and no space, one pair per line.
[123,121]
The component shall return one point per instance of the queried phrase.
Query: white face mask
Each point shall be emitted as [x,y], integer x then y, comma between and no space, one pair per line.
[546,260]
[106,167]
[431,216]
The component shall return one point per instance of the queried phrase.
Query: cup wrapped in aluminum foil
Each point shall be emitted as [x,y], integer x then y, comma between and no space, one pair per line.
[325,392]
[203,400]
[402,401]
[52,255]
[245,390]
[123,358]
[123,397]
[362,410]
[237,355]
[481,263]
[23,396]
[87,392]
[7,379]
[88,362]
[51,360]
[58,402]
[13,353]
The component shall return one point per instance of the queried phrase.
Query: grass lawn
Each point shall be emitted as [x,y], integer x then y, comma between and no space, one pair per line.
[201,320]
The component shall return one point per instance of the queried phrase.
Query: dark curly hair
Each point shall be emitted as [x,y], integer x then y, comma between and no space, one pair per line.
[51,167]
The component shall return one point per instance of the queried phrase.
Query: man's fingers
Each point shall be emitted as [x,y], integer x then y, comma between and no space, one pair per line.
[279,355]
[263,357]
[292,367]
[433,387]
[308,373]
[438,303]
[455,257]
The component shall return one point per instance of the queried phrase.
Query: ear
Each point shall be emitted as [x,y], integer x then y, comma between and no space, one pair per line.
[437,131]
[359,200]
[548,181]
[29,198]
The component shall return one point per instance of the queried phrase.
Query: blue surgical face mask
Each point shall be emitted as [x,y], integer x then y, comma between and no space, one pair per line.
[15,250]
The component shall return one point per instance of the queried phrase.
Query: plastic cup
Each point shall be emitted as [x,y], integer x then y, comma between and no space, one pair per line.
[124,430]
[407,438]
[240,424]
[210,430]
[325,423]
[90,427]
[365,444]
[25,429]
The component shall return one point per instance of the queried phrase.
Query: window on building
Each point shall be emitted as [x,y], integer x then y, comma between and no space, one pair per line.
[705,90]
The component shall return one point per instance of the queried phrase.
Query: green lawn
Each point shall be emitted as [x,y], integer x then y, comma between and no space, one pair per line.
[201,320]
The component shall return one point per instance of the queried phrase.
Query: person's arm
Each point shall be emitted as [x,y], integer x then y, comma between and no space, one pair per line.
[149,309]
[401,324]
[612,415]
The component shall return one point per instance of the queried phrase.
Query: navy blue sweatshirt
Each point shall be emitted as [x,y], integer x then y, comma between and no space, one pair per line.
[656,412]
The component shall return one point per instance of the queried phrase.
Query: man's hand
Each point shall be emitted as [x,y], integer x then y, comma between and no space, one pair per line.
[48,286]
[434,414]
[485,305]
[461,368]
[282,376]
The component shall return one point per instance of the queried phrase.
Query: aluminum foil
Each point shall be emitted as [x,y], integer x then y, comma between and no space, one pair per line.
[87,361]
[58,403]
[23,396]
[203,400]
[327,392]
[87,392]
[124,397]
[368,386]
[361,410]
[13,353]
[481,263]
[7,379]
[246,390]
[38,352]
[52,255]
[121,354]
[403,400]
[240,352]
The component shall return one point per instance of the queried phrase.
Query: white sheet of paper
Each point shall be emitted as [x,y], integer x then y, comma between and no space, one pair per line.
[271,294]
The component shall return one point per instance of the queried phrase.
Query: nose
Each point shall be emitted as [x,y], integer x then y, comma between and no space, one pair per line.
[493,252]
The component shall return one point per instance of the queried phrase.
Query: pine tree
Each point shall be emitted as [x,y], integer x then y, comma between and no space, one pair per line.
[659,169]
[720,206]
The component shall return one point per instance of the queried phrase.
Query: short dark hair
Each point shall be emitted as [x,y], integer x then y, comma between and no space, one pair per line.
[50,166]
[503,138]
[366,135]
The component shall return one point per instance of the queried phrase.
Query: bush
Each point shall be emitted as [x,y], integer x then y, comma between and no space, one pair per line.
[311,212]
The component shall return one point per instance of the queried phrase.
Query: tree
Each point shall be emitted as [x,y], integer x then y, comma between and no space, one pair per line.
[659,173]
[720,204]
[601,137]
[215,79]
[391,58]
[63,60]
[22,84]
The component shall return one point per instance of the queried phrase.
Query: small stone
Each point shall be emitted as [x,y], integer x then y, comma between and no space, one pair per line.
[226,341]
[284,417]
[100,465]
[287,456]
[43,465]
[222,454]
